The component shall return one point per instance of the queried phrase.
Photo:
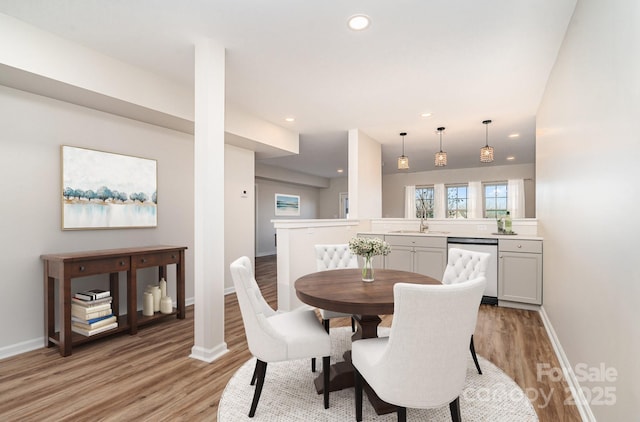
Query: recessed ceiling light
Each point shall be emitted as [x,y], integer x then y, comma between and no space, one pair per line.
[425,115]
[511,158]
[359,22]
[514,135]
[289,119]
[340,170]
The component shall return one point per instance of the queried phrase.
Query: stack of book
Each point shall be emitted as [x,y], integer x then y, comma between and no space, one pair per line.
[91,312]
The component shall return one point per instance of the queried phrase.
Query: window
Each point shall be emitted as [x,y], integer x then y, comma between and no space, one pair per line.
[495,200]
[424,201]
[457,201]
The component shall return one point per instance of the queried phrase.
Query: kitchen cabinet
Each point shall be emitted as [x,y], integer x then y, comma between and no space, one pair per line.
[520,271]
[425,255]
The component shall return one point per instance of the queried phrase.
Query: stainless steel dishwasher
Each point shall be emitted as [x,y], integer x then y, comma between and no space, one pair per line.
[486,245]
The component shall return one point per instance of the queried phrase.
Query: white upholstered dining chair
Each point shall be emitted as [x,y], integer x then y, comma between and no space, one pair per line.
[277,336]
[333,257]
[464,265]
[423,362]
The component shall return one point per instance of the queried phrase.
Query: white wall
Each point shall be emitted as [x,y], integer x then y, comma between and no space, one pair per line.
[265,210]
[33,128]
[329,200]
[587,173]
[296,253]
[239,205]
[393,184]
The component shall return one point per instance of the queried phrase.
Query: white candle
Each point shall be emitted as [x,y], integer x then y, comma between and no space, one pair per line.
[147,304]
[166,305]
[156,298]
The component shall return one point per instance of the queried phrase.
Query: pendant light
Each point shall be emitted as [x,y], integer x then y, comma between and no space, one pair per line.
[486,152]
[441,157]
[403,160]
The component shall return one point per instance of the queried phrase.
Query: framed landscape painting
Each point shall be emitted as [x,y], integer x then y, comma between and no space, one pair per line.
[287,205]
[104,190]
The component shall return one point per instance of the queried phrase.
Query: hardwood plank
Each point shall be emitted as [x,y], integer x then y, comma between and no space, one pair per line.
[149,376]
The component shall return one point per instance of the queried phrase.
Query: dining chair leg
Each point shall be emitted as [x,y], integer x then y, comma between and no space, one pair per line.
[454,407]
[472,347]
[261,369]
[353,325]
[326,362]
[325,322]
[313,364]
[402,414]
[358,388]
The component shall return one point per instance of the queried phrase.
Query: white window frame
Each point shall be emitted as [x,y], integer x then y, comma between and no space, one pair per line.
[455,213]
[497,212]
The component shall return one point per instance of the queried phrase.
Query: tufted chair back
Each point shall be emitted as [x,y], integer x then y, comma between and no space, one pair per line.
[423,362]
[332,257]
[464,265]
[277,336]
[255,311]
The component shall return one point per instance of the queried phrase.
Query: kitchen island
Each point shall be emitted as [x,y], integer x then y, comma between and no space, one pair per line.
[514,274]
[296,253]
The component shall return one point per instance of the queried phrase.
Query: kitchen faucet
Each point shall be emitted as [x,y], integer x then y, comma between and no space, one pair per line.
[424,226]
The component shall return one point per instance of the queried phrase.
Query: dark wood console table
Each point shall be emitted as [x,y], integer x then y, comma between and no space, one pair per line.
[65,266]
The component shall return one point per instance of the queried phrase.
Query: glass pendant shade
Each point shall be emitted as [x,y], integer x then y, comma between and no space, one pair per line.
[403,160]
[441,157]
[486,152]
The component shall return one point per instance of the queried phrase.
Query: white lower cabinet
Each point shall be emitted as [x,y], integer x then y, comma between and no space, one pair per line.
[419,254]
[520,271]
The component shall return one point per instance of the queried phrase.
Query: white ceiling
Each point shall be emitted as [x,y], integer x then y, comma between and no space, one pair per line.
[463,61]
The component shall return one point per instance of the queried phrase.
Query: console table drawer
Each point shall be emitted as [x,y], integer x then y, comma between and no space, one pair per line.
[98,266]
[156,259]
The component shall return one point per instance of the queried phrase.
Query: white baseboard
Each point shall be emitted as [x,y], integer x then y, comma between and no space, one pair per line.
[38,343]
[23,347]
[518,305]
[208,355]
[579,399]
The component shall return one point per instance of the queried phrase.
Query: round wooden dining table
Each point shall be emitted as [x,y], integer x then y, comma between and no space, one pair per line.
[344,291]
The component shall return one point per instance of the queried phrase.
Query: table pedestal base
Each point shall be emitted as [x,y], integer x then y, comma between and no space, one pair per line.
[342,375]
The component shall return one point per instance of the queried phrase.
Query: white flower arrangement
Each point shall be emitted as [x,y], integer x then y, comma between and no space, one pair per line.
[367,247]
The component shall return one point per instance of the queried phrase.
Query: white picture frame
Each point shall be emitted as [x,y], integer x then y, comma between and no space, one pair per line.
[287,205]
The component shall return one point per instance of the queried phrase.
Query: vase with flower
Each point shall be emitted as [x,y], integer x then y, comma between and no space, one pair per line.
[367,248]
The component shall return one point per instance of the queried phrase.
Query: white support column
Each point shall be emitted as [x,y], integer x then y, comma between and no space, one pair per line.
[209,209]
[365,176]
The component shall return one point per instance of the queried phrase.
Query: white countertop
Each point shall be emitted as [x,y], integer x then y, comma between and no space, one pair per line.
[436,233]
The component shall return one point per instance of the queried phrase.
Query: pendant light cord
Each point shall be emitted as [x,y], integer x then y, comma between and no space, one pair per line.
[486,140]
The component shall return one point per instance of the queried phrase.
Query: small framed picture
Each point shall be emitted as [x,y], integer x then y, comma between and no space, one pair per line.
[287,205]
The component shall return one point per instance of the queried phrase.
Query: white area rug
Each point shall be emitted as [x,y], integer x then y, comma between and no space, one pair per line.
[289,394]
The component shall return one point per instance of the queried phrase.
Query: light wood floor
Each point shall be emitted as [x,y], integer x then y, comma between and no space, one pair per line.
[149,376]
